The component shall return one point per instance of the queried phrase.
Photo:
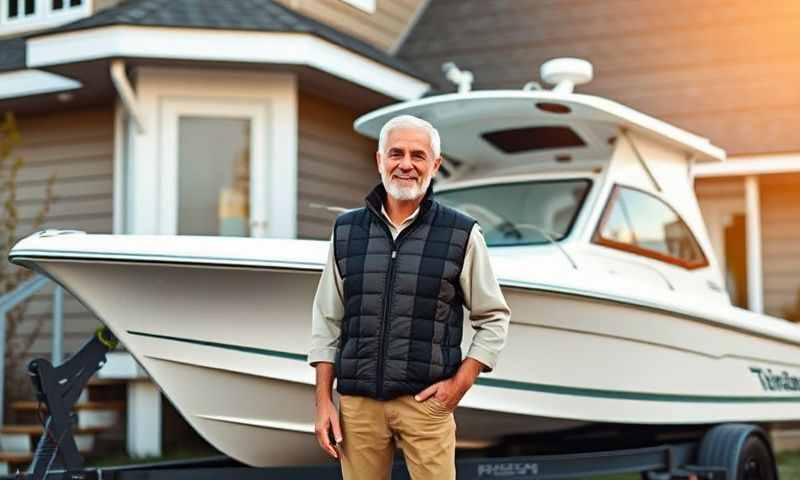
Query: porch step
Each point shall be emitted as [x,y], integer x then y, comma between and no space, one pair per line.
[23,438]
[18,442]
[33,405]
[97,381]
[90,414]
[10,462]
[38,429]
[12,457]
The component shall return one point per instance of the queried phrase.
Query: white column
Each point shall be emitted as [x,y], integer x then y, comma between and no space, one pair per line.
[755,284]
[144,419]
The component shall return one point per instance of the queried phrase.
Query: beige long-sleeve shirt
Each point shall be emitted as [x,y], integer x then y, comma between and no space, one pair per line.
[489,312]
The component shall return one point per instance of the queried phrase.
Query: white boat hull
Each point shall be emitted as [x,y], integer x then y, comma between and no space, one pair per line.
[227,346]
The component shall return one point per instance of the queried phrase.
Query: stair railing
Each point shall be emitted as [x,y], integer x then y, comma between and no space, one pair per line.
[11,300]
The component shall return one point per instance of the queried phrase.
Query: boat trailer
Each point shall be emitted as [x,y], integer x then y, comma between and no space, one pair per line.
[654,463]
[727,451]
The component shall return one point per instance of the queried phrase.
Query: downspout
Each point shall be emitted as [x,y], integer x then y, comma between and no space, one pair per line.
[126,93]
[755,279]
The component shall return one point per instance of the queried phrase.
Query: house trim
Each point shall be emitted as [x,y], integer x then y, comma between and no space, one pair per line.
[23,83]
[755,277]
[363,5]
[750,165]
[222,45]
[148,172]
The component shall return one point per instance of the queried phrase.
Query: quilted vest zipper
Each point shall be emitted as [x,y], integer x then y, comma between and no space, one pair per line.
[385,321]
[388,288]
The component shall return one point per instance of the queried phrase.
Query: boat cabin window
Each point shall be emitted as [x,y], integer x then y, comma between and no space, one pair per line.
[521,213]
[533,138]
[640,223]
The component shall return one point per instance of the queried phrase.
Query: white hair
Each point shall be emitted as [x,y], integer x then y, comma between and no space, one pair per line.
[410,121]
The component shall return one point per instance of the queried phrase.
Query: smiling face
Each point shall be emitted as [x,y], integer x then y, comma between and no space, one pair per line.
[407,164]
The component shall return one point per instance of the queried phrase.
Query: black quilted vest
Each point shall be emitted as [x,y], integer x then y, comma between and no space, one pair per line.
[402,325]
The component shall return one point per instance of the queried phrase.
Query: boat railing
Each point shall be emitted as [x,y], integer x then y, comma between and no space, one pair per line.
[13,298]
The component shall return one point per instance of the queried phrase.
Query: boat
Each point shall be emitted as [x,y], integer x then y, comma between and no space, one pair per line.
[619,311]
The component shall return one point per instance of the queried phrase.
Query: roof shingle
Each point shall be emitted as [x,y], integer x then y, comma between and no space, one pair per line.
[12,54]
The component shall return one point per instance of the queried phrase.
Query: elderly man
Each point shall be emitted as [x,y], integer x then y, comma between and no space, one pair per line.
[388,315]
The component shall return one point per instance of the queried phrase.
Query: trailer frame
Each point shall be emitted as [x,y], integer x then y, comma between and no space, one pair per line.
[664,462]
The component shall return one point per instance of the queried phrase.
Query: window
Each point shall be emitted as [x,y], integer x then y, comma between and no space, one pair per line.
[213,176]
[640,223]
[533,138]
[521,213]
[366,5]
[23,15]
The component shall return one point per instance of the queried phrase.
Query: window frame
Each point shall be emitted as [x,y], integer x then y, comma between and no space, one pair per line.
[590,184]
[599,239]
[368,6]
[43,16]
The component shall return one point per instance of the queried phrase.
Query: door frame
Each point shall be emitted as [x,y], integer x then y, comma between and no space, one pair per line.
[149,203]
[257,113]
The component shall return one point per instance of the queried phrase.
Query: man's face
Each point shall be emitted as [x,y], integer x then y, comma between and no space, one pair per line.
[407,164]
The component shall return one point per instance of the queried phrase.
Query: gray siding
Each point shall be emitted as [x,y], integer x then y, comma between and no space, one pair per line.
[77,146]
[336,165]
[724,69]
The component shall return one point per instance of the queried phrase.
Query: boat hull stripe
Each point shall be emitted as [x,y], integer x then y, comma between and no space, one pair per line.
[513,384]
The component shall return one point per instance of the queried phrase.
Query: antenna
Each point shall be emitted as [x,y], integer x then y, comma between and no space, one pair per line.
[566,73]
[462,78]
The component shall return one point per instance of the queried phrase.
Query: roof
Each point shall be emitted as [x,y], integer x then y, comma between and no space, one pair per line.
[466,119]
[12,54]
[253,15]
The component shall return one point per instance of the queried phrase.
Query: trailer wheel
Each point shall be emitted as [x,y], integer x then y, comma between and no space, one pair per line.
[743,449]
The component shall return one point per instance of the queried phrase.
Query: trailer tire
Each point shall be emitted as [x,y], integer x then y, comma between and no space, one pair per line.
[743,449]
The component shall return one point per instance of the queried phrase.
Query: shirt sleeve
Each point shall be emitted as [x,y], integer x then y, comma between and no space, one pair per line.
[489,313]
[327,313]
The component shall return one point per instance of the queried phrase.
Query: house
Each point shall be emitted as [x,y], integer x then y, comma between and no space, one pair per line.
[133,103]
[195,117]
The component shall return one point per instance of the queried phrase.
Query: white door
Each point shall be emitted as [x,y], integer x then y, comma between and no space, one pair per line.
[215,168]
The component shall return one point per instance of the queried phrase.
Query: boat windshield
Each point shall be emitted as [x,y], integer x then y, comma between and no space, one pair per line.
[521,213]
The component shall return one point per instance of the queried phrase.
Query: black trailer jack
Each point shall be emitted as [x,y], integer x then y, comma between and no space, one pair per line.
[58,388]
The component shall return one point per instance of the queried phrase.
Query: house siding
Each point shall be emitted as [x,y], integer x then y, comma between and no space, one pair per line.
[77,147]
[336,166]
[384,28]
[780,222]
[725,70]
[99,5]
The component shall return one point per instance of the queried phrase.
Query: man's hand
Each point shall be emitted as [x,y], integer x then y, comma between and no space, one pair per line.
[326,419]
[450,391]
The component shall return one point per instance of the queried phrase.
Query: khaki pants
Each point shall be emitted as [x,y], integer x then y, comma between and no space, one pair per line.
[425,431]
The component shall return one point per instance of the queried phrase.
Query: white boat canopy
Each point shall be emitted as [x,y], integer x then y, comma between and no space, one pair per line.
[524,127]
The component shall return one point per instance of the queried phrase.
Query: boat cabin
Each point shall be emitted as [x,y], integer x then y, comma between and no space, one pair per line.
[606,186]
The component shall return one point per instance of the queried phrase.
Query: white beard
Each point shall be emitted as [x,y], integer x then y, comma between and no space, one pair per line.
[404,192]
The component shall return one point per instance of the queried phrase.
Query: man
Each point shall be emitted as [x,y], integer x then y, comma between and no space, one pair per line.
[387,317]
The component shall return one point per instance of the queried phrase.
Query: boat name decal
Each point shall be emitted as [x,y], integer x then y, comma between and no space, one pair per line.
[777,382]
[507,469]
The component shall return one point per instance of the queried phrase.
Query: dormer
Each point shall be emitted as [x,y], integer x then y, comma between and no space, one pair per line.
[20,16]
[384,24]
